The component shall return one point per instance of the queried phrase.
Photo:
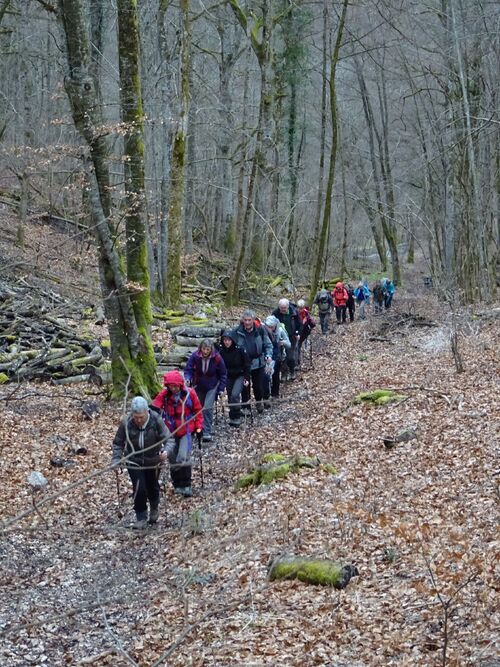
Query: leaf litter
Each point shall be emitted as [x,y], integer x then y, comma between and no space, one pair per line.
[419,521]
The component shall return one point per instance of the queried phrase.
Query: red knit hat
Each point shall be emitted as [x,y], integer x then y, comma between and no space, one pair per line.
[173,377]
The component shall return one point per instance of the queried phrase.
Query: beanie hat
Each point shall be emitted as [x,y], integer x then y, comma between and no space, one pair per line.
[227,333]
[138,404]
[173,377]
[271,321]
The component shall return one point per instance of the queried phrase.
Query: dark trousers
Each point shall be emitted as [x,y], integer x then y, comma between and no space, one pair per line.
[351,308]
[234,387]
[257,386]
[272,384]
[324,319]
[340,312]
[146,487]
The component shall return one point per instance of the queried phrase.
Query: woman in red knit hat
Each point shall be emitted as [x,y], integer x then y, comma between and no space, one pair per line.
[182,413]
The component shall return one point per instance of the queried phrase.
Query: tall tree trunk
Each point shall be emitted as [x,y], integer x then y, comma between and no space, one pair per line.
[333,157]
[129,346]
[178,169]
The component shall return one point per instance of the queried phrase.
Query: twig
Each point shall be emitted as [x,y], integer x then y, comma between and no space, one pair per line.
[232,605]
[116,639]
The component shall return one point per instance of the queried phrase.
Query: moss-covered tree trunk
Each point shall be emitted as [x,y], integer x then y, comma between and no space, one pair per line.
[333,157]
[135,224]
[178,169]
[128,343]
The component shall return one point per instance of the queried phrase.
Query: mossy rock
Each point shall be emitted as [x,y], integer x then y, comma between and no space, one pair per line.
[276,466]
[379,397]
[3,378]
[327,467]
[312,571]
[106,344]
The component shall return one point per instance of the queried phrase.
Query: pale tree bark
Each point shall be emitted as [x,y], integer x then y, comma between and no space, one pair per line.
[178,167]
[333,156]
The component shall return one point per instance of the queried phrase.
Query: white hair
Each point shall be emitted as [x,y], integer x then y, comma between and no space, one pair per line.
[284,302]
[138,404]
[301,303]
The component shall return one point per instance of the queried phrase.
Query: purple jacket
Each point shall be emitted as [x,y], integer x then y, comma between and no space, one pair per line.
[204,379]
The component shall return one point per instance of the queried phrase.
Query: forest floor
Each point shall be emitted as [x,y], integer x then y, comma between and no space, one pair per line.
[419,521]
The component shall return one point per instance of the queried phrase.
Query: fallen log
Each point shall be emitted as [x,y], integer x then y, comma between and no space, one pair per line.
[320,572]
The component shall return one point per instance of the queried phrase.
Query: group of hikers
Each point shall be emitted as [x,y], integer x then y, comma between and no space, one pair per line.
[344,299]
[254,357]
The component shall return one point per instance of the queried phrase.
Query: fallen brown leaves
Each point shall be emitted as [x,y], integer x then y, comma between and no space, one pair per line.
[420,521]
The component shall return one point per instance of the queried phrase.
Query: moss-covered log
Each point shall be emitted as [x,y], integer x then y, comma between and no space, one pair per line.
[320,572]
[379,397]
[277,466]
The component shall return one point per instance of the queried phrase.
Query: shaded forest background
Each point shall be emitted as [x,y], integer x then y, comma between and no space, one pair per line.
[301,138]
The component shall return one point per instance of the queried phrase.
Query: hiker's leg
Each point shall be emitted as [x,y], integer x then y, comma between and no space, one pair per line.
[140,493]
[234,394]
[152,486]
[275,383]
[208,411]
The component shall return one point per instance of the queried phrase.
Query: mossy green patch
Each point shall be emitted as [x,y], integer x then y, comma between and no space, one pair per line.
[379,397]
[276,466]
[319,572]
[273,457]
[327,467]
[3,378]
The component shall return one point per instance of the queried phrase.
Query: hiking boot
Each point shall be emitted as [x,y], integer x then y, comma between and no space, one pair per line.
[293,375]
[140,524]
[260,408]
[178,490]
[207,437]
[186,491]
[234,422]
[267,404]
[153,515]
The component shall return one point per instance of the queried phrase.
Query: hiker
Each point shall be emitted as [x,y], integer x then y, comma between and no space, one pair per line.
[206,372]
[351,306]
[307,325]
[360,297]
[389,289]
[378,297]
[367,292]
[254,340]
[182,413]
[237,365]
[287,314]
[140,438]
[340,297]
[281,343]
[324,302]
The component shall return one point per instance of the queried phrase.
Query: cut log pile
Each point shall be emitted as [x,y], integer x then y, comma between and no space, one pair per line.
[38,339]
[187,339]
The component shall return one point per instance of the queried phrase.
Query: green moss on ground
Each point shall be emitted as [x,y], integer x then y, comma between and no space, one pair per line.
[379,397]
[310,571]
[3,378]
[276,466]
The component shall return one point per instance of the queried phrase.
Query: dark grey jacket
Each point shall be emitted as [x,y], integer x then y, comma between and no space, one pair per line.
[146,443]
[256,343]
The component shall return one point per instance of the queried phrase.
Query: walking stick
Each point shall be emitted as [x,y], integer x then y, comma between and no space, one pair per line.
[120,513]
[198,437]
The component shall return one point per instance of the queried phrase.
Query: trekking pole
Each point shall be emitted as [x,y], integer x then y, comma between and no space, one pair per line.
[200,454]
[120,513]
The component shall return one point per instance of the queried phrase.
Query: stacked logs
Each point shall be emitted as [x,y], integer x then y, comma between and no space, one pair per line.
[38,340]
[187,339]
